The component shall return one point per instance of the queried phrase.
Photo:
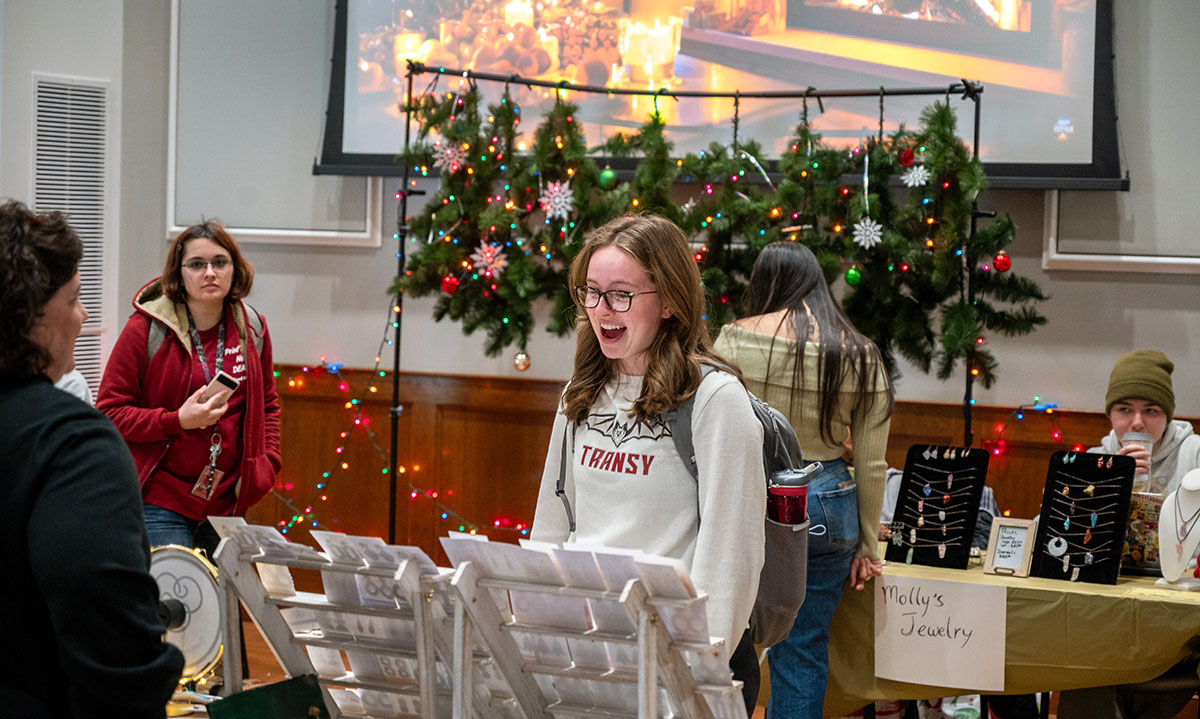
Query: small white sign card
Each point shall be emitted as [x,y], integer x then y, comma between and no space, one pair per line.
[956,629]
[1010,547]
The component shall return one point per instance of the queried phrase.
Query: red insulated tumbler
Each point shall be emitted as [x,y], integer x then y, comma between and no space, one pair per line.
[787,505]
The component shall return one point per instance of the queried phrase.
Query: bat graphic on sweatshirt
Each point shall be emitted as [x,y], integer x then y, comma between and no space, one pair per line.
[607,425]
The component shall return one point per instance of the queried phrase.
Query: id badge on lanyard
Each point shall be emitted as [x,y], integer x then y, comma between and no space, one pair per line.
[210,476]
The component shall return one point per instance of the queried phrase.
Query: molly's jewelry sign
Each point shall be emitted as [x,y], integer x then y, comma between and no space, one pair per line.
[947,634]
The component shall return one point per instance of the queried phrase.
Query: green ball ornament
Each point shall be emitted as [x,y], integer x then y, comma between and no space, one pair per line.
[608,178]
[853,276]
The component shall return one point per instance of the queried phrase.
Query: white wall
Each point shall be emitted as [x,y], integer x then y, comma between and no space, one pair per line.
[332,302]
[144,146]
[1160,217]
[64,37]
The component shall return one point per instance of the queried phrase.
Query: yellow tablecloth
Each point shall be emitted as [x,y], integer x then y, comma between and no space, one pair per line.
[1060,635]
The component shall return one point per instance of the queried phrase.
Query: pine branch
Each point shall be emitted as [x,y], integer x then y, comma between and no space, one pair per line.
[1006,287]
[1013,323]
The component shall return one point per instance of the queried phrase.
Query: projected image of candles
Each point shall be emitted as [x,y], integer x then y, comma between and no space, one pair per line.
[648,51]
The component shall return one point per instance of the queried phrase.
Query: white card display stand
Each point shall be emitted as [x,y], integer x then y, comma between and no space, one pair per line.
[385,611]
[572,650]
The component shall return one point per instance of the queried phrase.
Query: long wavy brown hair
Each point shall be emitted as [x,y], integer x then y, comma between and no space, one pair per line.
[39,253]
[683,341]
[787,276]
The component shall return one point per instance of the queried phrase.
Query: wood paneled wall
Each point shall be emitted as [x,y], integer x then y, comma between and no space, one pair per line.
[480,443]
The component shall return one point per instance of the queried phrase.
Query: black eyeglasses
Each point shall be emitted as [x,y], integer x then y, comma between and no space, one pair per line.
[617,300]
[201,265]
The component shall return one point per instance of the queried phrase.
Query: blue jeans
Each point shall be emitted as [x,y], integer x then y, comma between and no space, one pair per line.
[800,663]
[165,527]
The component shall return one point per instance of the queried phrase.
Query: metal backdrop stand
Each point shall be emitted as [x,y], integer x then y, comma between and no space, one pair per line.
[402,229]
[969,90]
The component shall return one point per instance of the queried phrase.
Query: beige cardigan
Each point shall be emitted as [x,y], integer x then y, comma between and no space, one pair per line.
[867,420]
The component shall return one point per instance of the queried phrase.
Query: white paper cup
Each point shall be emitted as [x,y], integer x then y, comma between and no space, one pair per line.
[1141,480]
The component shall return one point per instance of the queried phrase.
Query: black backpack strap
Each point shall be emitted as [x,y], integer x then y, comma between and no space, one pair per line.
[679,420]
[560,489]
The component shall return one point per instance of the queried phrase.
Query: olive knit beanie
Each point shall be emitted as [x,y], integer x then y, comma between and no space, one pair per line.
[1142,374]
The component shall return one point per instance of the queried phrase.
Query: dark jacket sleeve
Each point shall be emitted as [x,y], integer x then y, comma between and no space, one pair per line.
[90,559]
[121,389]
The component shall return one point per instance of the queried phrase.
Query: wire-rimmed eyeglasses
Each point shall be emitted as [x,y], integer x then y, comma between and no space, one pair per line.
[617,300]
[218,264]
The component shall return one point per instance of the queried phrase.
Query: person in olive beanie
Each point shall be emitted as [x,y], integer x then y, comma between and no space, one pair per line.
[1140,398]
[1142,374]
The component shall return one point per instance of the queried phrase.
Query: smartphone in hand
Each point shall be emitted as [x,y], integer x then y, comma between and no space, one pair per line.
[223,384]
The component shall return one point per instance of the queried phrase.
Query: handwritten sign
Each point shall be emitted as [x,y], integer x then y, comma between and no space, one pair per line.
[947,634]
[1009,547]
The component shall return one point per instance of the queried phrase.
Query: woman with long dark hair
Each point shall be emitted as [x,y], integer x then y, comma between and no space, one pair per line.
[799,352]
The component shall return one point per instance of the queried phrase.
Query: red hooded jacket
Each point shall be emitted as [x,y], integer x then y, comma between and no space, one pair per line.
[142,395]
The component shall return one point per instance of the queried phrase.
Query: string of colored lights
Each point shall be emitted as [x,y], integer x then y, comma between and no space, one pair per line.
[362,421]
[997,446]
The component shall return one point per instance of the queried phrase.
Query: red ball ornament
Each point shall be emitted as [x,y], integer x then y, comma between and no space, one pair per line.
[1002,261]
[906,157]
[449,284]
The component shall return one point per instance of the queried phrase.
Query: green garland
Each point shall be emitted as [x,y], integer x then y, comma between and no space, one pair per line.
[916,285]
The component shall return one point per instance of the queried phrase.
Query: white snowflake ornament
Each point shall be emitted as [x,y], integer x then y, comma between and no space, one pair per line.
[448,157]
[915,176]
[868,233]
[689,205]
[558,200]
[489,259]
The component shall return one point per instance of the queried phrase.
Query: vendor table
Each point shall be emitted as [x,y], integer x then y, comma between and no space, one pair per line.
[1060,635]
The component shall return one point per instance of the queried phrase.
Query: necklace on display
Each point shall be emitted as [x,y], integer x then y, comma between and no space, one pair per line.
[966,473]
[1185,525]
[1088,482]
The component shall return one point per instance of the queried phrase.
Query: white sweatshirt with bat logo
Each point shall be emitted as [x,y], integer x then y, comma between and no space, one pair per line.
[629,488]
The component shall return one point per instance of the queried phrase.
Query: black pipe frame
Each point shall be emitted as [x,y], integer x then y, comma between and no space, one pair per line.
[968,90]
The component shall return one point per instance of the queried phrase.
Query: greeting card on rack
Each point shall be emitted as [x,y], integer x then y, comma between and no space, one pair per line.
[1084,507]
[1141,535]
[938,506]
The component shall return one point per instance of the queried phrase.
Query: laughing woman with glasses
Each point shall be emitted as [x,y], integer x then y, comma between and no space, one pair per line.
[197,455]
[641,341]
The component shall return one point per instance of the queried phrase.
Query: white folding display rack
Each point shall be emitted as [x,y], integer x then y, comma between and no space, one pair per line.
[260,576]
[660,658]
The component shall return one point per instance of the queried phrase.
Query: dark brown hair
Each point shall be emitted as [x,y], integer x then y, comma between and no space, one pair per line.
[172,276]
[683,340]
[787,276]
[39,253]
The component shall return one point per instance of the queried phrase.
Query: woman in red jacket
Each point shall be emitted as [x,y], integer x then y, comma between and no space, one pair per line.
[195,457]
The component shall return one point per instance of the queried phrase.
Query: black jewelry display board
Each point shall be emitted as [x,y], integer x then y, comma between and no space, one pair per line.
[938,506]
[1084,508]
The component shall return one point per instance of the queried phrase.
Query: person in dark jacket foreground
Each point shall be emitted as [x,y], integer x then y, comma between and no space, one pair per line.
[82,636]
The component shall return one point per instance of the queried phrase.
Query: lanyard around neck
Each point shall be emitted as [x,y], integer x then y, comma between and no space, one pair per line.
[208,376]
